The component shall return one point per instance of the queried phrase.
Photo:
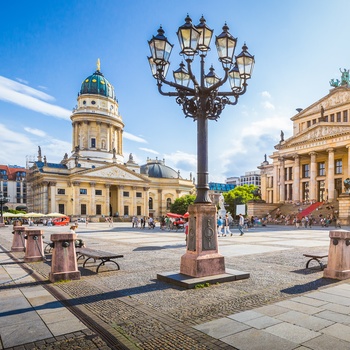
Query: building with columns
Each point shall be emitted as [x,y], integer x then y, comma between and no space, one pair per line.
[312,164]
[94,181]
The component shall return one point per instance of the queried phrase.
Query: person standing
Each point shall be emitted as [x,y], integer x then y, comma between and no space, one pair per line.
[241,224]
[227,226]
[219,225]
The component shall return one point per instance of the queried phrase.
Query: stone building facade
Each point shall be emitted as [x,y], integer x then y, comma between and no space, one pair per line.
[312,164]
[94,181]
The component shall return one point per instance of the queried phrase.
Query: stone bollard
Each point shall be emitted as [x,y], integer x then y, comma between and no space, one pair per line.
[338,266]
[35,248]
[64,262]
[18,241]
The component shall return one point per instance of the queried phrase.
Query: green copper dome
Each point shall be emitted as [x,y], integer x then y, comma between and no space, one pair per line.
[97,84]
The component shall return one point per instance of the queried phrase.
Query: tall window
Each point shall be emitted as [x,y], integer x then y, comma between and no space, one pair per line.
[138,210]
[93,142]
[288,174]
[339,117]
[83,209]
[338,166]
[150,203]
[345,116]
[98,209]
[332,117]
[61,208]
[126,210]
[306,170]
[321,169]
[168,203]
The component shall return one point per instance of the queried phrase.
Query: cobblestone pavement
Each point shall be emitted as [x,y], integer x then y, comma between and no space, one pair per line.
[132,306]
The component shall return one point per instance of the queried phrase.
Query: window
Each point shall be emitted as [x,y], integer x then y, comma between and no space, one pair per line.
[321,169]
[61,191]
[98,209]
[93,142]
[150,203]
[288,175]
[83,191]
[338,166]
[313,121]
[138,210]
[306,170]
[168,203]
[326,118]
[139,195]
[339,117]
[126,210]
[61,208]
[125,194]
[345,116]
[83,209]
[332,117]
[98,192]
[308,123]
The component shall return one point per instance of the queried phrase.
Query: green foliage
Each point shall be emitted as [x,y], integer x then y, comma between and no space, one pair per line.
[180,205]
[202,285]
[14,211]
[239,195]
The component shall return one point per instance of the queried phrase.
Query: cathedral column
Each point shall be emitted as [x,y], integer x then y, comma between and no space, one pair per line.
[330,174]
[276,181]
[76,196]
[45,199]
[160,201]
[74,132]
[92,199]
[282,181]
[145,204]
[108,186]
[133,194]
[121,200]
[313,173]
[53,197]
[120,140]
[296,179]
[348,174]
[98,136]
[111,138]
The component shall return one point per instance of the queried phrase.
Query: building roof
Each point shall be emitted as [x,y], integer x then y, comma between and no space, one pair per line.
[97,84]
[157,168]
[11,171]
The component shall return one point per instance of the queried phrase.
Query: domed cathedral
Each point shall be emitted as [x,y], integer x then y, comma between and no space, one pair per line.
[97,125]
[94,181]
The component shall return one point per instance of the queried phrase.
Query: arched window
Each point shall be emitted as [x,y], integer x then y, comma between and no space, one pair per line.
[150,203]
[168,203]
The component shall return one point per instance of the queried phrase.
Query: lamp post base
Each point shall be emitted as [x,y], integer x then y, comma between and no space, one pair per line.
[202,257]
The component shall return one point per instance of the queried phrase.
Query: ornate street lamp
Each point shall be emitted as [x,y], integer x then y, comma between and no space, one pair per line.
[201,100]
[3,200]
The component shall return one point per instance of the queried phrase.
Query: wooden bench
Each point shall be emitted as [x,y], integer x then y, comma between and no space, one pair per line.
[317,257]
[88,253]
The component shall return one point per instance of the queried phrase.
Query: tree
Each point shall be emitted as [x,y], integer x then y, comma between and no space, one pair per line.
[180,205]
[239,195]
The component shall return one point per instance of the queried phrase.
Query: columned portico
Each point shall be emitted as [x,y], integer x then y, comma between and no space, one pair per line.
[296,179]
[312,185]
[330,174]
[282,180]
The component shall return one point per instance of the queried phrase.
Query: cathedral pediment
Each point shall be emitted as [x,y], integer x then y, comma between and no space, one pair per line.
[113,172]
[317,133]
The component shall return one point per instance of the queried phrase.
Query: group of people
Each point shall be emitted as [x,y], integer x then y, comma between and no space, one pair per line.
[136,222]
[223,225]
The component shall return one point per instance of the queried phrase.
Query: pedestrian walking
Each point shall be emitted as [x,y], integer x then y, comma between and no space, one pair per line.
[227,226]
[241,224]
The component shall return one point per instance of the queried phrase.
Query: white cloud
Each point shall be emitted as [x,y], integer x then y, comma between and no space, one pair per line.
[36,132]
[22,81]
[27,97]
[268,105]
[148,150]
[266,94]
[132,137]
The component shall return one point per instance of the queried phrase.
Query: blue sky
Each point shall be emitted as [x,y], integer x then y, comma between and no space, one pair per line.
[47,48]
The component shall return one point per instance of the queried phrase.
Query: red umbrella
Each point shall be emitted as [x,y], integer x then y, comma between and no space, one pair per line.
[172,215]
[186,215]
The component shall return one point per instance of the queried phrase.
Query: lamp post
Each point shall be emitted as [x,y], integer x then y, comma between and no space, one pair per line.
[3,200]
[202,100]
